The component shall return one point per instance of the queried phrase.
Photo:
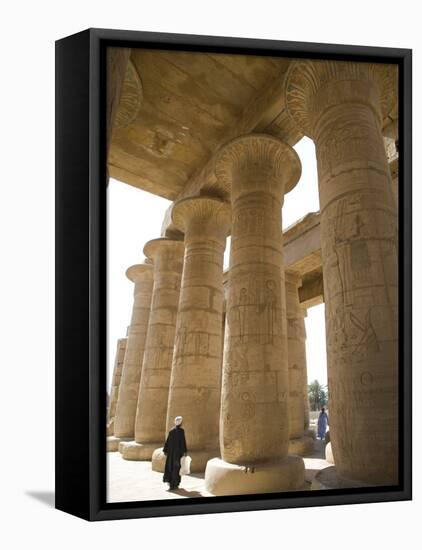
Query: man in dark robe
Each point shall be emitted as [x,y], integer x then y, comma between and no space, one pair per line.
[174,449]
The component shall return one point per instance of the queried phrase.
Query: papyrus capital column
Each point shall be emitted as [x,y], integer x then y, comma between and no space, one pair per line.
[254,427]
[341,105]
[196,369]
[167,257]
[142,276]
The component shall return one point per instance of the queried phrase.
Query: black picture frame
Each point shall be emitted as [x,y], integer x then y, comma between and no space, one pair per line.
[81,274]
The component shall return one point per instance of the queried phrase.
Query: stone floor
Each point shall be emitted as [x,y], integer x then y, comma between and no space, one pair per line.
[134,481]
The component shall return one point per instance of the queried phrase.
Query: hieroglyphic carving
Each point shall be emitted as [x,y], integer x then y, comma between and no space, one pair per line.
[167,257]
[342,105]
[308,80]
[258,171]
[196,367]
[260,304]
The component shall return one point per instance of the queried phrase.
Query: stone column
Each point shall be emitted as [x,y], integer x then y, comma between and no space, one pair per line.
[115,383]
[150,426]
[254,426]
[196,371]
[299,443]
[309,432]
[124,423]
[341,106]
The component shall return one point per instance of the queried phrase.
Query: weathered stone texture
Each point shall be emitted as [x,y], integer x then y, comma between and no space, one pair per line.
[124,423]
[150,426]
[196,369]
[254,427]
[342,107]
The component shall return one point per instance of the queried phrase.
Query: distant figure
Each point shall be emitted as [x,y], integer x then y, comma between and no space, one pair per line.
[322,423]
[174,449]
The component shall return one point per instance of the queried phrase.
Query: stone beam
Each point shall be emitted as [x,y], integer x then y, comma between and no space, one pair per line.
[302,245]
[311,293]
[265,113]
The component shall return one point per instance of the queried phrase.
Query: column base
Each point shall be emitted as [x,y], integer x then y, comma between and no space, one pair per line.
[198,464]
[329,453]
[301,446]
[327,479]
[110,428]
[113,443]
[222,478]
[309,433]
[137,451]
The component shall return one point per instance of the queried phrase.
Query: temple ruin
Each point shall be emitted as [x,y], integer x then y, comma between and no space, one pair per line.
[214,133]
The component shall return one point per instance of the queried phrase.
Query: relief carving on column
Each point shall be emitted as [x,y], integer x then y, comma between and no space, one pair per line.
[343,106]
[257,160]
[306,79]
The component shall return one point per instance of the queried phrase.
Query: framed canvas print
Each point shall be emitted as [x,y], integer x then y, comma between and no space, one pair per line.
[233,274]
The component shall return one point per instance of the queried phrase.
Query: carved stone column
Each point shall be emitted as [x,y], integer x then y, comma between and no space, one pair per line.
[309,432]
[115,384]
[254,427]
[299,443]
[341,106]
[124,422]
[150,426]
[196,370]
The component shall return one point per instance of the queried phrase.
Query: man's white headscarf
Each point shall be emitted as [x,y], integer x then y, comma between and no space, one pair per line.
[178,420]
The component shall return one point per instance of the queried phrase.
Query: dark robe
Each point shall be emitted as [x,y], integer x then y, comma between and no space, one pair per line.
[174,449]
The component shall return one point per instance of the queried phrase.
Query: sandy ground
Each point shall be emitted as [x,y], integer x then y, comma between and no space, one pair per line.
[133,481]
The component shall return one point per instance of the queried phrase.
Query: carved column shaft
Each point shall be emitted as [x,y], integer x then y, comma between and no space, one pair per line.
[296,355]
[255,377]
[124,422]
[254,425]
[305,386]
[167,257]
[341,105]
[196,370]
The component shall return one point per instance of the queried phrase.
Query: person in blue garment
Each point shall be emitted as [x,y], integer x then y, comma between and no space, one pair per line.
[322,423]
[174,449]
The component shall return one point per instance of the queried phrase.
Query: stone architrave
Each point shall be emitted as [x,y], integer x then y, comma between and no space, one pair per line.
[196,370]
[115,383]
[254,427]
[299,442]
[151,414]
[341,106]
[124,422]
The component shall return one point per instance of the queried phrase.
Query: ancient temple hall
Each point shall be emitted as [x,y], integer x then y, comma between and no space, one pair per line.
[226,348]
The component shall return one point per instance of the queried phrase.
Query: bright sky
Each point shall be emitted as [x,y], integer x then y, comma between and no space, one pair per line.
[135,217]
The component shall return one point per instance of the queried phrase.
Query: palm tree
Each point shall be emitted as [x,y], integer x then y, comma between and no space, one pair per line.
[318,395]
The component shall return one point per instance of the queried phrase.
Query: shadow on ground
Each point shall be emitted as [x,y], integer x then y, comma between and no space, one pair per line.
[185,493]
[45,497]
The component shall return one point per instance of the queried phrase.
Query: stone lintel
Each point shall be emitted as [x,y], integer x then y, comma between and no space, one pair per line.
[311,293]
